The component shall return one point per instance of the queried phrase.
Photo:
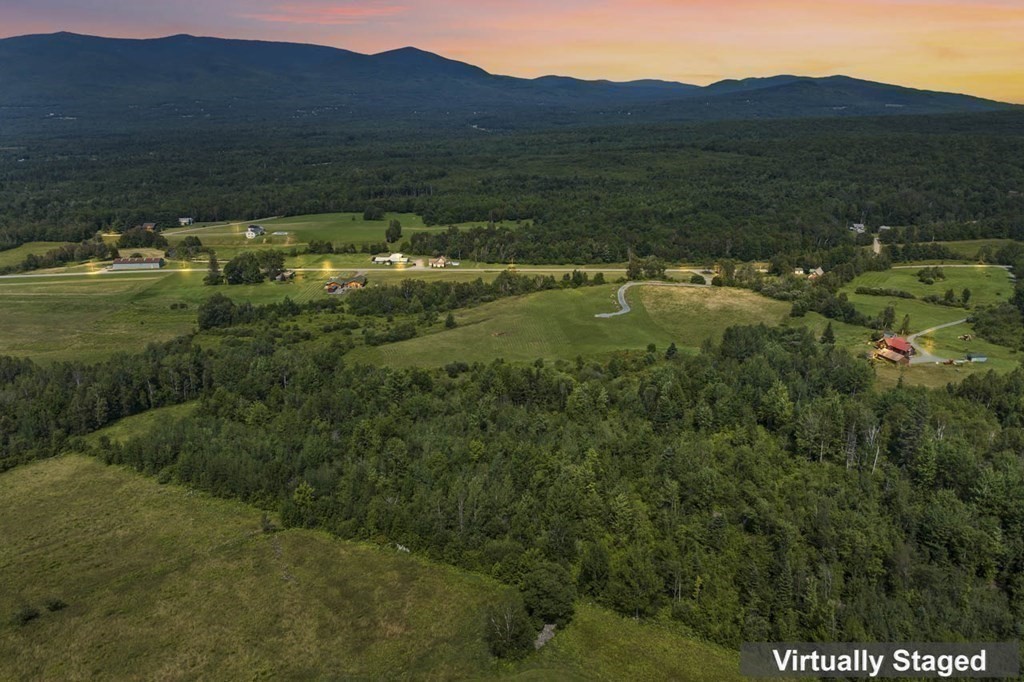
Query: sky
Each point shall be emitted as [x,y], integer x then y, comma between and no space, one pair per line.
[970,46]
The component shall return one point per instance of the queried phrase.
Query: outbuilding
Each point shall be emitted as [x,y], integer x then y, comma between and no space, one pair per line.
[137,264]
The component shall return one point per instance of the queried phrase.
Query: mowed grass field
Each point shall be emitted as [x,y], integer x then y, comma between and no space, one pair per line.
[561,325]
[91,317]
[164,583]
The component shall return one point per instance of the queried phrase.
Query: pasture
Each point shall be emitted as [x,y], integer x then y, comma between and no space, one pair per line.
[561,325]
[161,582]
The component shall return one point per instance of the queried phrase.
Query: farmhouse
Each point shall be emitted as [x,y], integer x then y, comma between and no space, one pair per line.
[185,222]
[816,273]
[337,285]
[149,227]
[255,231]
[858,228]
[137,264]
[285,276]
[441,262]
[895,349]
[393,259]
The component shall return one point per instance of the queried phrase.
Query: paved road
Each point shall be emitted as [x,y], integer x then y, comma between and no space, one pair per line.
[624,304]
[923,357]
[413,268]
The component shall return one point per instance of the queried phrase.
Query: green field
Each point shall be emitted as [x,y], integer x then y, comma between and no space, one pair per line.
[16,255]
[161,582]
[561,325]
[94,316]
[969,248]
[340,228]
[988,285]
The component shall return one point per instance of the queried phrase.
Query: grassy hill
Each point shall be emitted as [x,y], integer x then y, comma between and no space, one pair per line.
[15,256]
[161,582]
[561,325]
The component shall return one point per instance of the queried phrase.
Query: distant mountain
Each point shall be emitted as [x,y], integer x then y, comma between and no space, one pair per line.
[77,82]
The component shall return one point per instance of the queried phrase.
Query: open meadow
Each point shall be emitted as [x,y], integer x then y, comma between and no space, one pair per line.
[160,582]
[90,317]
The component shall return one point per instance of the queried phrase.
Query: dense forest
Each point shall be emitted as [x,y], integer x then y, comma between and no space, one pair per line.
[746,190]
[763,490]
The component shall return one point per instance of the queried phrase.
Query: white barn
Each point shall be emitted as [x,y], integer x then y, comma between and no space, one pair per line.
[137,264]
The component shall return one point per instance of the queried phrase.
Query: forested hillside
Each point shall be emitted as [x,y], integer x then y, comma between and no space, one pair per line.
[747,190]
[762,490]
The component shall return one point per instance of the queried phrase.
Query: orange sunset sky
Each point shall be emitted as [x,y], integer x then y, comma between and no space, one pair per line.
[971,46]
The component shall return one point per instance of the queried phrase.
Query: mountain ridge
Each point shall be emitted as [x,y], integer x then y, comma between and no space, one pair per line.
[182,76]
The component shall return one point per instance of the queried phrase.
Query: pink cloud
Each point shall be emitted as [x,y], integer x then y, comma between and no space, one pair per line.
[332,14]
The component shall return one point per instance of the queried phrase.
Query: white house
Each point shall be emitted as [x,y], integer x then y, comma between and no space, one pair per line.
[255,231]
[185,222]
[859,228]
[393,259]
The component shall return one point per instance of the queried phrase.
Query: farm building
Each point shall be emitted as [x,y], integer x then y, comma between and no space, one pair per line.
[816,273]
[149,227]
[255,231]
[285,276]
[895,349]
[185,222]
[137,264]
[858,228]
[338,285]
[393,259]
[441,262]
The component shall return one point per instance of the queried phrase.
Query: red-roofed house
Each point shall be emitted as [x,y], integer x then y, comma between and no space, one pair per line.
[895,349]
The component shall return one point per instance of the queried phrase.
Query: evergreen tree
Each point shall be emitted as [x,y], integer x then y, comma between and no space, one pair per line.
[213,276]
[394,231]
[828,337]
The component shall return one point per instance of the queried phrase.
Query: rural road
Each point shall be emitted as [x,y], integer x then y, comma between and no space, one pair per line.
[167,271]
[624,304]
[922,356]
